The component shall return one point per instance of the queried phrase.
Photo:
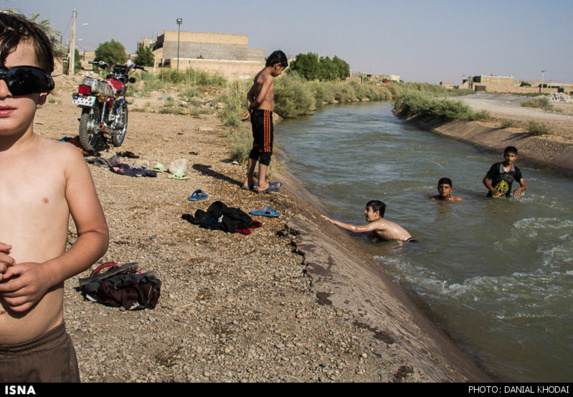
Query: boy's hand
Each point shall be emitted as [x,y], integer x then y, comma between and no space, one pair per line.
[246,116]
[5,259]
[24,284]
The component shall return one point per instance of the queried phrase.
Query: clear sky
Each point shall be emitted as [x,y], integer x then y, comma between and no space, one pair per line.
[419,40]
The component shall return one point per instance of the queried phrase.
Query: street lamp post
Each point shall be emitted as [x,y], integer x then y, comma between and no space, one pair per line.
[179,20]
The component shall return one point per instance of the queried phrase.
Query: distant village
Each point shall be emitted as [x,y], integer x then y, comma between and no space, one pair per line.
[230,56]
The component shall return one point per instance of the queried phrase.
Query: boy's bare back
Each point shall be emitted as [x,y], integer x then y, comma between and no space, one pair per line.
[387,230]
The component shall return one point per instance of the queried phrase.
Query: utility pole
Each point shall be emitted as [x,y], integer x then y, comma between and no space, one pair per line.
[179,20]
[72,55]
[541,88]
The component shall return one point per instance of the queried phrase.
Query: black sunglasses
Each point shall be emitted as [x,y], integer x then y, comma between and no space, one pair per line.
[26,80]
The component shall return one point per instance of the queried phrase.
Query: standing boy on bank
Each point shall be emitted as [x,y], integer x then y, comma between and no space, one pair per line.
[501,176]
[261,104]
[43,182]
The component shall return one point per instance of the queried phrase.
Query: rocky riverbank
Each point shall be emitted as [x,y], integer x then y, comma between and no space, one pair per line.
[293,301]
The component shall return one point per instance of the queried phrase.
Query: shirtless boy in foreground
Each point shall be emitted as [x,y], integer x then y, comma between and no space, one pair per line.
[445,188]
[381,227]
[260,107]
[43,182]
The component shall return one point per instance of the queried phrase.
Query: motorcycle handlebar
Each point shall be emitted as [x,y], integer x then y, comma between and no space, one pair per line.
[99,63]
[103,63]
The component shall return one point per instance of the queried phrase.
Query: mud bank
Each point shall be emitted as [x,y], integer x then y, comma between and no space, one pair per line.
[543,151]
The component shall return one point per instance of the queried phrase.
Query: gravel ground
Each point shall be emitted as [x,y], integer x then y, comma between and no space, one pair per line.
[235,307]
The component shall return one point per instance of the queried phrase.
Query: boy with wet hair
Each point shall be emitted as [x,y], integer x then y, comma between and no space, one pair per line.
[445,188]
[43,183]
[500,177]
[260,107]
[377,225]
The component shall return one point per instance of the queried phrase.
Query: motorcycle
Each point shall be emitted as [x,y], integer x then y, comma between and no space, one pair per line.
[104,108]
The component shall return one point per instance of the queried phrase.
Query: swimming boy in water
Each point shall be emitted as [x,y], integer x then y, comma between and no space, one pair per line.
[43,182]
[380,227]
[501,176]
[261,104]
[445,188]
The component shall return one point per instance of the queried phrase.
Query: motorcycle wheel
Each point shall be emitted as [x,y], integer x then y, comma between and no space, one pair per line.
[118,137]
[90,138]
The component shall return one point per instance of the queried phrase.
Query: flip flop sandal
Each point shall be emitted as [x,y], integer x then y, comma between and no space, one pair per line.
[197,195]
[273,187]
[159,168]
[266,211]
[244,187]
[178,175]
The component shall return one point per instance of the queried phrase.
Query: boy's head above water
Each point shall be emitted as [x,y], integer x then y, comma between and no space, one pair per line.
[510,154]
[445,187]
[374,210]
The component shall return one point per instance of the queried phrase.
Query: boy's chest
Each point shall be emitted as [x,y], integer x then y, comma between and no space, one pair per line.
[28,187]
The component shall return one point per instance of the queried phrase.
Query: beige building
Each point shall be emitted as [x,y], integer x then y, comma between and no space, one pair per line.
[508,84]
[374,77]
[227,54]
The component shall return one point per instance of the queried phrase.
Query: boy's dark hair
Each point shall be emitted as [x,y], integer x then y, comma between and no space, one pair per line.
[445,181]
[377,205]
[15,29]
[510,149]
[277,57]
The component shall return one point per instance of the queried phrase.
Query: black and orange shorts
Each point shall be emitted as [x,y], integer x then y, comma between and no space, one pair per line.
[263,135]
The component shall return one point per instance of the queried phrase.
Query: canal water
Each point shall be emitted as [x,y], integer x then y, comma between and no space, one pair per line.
[496,273]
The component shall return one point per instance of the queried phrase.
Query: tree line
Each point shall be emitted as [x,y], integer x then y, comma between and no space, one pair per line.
[312,67]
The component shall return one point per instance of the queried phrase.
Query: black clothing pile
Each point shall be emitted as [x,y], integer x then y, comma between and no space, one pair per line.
[221,217]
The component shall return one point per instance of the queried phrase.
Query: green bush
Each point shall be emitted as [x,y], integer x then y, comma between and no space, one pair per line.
[539,103]
[240,144]
[235,99]
[293,97]
[190,76]
[323,92]
[412,102]
[537,128]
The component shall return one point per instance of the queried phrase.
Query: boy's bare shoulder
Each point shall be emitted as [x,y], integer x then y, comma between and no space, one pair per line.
[59,146]
[63,152]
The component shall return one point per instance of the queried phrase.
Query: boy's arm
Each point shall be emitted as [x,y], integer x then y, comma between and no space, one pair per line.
[522,188]
[250,95]
[487,183]
[26,283]
[352,228]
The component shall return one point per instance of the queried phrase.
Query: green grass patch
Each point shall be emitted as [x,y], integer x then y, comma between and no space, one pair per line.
[413,102]
[542,103]
[538,128]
